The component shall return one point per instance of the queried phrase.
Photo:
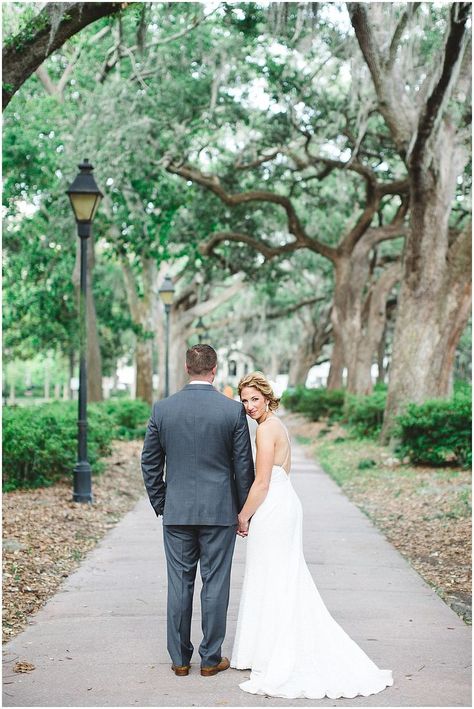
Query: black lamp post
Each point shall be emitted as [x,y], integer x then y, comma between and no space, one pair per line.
[85,197]
[200,330]
[166,294]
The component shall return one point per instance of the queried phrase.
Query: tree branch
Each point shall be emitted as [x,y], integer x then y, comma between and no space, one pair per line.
[212,183]
[117,52]
[455,44]
[258,161]
[23,53]
[49,85]
[398,112]
[275,314]
[397,35]
[208,306]
[239,237]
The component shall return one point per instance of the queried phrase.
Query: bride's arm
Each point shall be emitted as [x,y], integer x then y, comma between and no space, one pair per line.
[265,442]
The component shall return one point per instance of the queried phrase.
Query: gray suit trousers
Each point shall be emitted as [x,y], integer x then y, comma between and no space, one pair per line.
[213,547]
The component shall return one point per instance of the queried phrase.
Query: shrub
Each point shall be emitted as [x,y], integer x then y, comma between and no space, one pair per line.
[366,463]
[324,403]
[292,397]
[462,389]
[130,417]
[364,414]
[437,432]
[315,403]
[40,443]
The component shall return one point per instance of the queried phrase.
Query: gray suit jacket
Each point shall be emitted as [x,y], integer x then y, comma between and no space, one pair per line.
[204,439]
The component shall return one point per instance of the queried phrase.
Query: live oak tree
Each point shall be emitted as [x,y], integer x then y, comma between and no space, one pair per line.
[424,103]
[350,256]
[289,149]
[436,381]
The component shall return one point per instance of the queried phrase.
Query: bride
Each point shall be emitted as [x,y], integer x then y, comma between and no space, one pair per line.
[285,634]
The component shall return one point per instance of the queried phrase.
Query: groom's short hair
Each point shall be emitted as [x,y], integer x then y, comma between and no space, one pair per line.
[200,359]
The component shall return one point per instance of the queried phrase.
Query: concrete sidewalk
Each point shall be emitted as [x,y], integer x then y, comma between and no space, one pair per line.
[101,641]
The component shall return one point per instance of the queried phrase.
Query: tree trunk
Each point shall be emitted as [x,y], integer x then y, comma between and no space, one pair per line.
[47,382]
[349,279]
[436,267]
[300,365]
[450,337]
[381,357]
[374,320]
[144,370]
[434,301]
[71,374]
[178,347]
[274,365]
[146,312]
[336,368]
[94,359]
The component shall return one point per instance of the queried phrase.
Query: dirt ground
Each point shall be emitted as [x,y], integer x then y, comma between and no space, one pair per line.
[424,512]
[46,535]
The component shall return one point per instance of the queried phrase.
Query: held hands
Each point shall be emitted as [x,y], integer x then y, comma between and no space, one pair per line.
[243,526]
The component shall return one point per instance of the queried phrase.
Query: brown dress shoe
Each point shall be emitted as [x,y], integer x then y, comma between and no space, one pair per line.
[182,671]
[224,664]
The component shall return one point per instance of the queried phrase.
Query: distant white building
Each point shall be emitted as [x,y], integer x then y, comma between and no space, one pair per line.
[233,364]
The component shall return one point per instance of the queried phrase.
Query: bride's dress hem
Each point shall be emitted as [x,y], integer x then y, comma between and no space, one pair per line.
[254,687]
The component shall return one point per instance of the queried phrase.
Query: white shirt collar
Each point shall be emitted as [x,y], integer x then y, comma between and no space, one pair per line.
[199,381]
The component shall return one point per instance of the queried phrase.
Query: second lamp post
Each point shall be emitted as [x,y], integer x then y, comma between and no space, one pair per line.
[166,294]
[200,330]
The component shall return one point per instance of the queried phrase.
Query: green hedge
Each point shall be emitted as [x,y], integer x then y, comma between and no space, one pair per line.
[364,414]
[315,403]
[130,417]
[437,432]
[40,442]
[291,397]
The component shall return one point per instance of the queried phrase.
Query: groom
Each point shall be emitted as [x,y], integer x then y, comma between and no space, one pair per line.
[203,438]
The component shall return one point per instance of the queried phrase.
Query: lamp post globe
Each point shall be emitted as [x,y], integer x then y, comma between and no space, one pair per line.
[166,294]
[200,330]
[85,198]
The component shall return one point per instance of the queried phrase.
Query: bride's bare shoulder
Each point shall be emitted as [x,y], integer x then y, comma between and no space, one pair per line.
[268,429]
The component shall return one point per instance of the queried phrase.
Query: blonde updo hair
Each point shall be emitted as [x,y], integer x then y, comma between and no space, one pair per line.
[258,381]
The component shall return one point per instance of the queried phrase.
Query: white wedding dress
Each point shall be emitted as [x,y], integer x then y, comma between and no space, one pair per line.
[285,633]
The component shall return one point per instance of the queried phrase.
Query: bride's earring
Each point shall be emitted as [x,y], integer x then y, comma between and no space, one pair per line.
[266,408]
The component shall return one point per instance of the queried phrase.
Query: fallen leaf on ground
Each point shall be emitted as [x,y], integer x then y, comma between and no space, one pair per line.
[23,667]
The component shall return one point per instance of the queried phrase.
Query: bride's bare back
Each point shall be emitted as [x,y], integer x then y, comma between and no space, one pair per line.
[275,429]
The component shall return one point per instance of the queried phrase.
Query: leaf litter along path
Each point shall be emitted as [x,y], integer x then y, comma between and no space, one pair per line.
[46,535]
[424,512]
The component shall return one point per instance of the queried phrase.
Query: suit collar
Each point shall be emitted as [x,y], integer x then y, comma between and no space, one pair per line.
[206,387]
